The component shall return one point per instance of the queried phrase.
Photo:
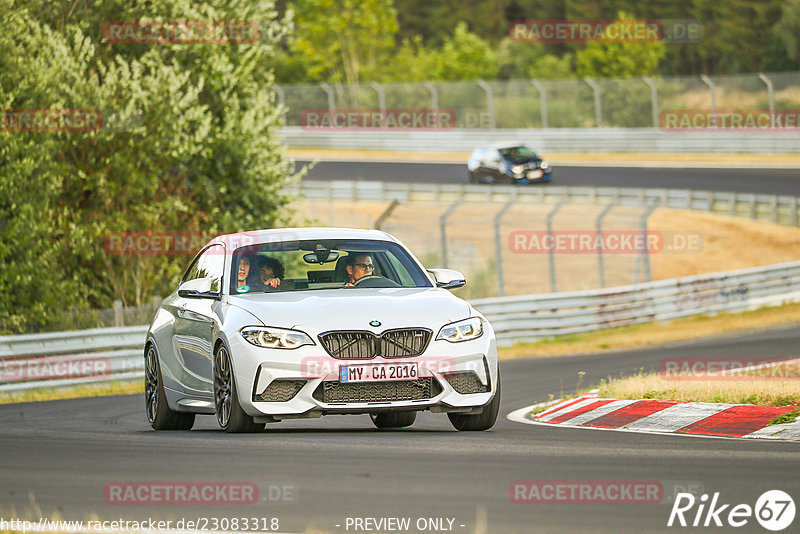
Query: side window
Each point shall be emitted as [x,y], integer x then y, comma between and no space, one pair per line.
[210,263]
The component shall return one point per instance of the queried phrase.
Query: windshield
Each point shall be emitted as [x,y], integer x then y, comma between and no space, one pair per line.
[328,264]
[518,154]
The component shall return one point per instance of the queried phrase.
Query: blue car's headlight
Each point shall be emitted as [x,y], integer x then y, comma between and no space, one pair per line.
[465,330]
[275,338]
[544,164]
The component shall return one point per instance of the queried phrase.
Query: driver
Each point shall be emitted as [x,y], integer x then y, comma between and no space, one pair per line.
[358,266]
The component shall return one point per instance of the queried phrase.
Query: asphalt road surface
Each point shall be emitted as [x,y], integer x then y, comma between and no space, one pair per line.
[762,181]
[56,459]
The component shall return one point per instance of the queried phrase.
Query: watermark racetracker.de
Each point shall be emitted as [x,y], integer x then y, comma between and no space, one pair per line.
[729,368]
[606,31]
[371,119]
[174,243]
[72,120]
[605,242]
[194,493]
[730,120]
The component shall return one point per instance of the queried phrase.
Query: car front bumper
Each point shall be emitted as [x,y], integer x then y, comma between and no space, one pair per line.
[304,382]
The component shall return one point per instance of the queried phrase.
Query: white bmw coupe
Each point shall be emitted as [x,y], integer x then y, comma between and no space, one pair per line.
[300,323]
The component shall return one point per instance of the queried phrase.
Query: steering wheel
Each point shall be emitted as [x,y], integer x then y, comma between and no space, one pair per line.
[374,280]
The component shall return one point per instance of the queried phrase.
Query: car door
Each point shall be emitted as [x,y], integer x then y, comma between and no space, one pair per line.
[494,167]
[195,325]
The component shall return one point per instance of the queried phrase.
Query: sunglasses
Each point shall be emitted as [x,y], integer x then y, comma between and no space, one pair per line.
[366,266]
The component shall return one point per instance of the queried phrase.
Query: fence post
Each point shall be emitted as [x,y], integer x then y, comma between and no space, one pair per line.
[644,254]
[542,101]
[598,110]
[489,101]
[378,88]
[498,219]
[386,213]
[770,95]
[713,90]
[331,98]
[549,222]
[443,229]
[601,272]
[434,95]
[793,215]
[653,98]
[119,316]
[281,98]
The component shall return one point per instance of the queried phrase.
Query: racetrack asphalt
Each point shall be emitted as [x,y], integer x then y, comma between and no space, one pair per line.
[768,181]
[61,455]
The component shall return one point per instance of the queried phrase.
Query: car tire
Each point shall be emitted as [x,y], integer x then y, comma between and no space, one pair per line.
[393,419]
[230,416]
[478,422]
[158,412]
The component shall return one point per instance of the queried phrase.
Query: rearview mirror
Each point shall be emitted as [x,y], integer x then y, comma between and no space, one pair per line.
[317,257]
[199,288]
[448,278]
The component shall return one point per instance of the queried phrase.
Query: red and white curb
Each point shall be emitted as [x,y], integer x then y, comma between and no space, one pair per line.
[647,415]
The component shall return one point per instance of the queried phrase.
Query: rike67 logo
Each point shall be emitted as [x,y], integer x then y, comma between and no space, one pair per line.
[774,510]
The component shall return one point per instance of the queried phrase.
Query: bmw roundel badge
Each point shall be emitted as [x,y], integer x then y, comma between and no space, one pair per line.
[374,323]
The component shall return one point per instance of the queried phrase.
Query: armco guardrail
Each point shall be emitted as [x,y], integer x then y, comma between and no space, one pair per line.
[564,140]
[106,354]
[775,208]
[78,357]
[535,317]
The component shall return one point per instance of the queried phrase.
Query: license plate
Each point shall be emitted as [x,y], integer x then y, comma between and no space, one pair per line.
[535,174]
[378,372]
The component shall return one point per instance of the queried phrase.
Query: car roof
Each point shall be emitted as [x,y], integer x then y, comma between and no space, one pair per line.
[500,145]
[291,234]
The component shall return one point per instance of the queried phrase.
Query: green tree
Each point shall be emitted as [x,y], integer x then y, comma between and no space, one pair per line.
[619,59]
[344,40]
[465,56]
[199,154]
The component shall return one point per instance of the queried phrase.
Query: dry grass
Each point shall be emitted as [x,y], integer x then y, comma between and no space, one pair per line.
[727,242]
[654,334]
[728,390]
[38,395]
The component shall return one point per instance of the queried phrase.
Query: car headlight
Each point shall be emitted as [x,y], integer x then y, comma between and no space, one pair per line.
[517,169]
[544,164]
[465,330]
[275,338]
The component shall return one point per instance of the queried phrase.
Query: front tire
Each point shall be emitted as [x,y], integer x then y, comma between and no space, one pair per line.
[393,419]
[158,412]
[230,416]
[478,422]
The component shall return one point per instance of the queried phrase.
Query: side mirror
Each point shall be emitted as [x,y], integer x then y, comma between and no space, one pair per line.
[448,278]
[198,288]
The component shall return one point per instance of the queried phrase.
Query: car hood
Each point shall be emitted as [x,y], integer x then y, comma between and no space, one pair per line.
[353,309]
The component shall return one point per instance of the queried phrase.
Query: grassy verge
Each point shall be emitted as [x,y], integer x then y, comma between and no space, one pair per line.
[36,395]
[764,392]
[788,417]
[656,334]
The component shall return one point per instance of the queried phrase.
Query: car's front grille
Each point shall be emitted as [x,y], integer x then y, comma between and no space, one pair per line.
[407,390]
[404,342]
[466,382]
[354,345]
[350,345]
[280,390]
